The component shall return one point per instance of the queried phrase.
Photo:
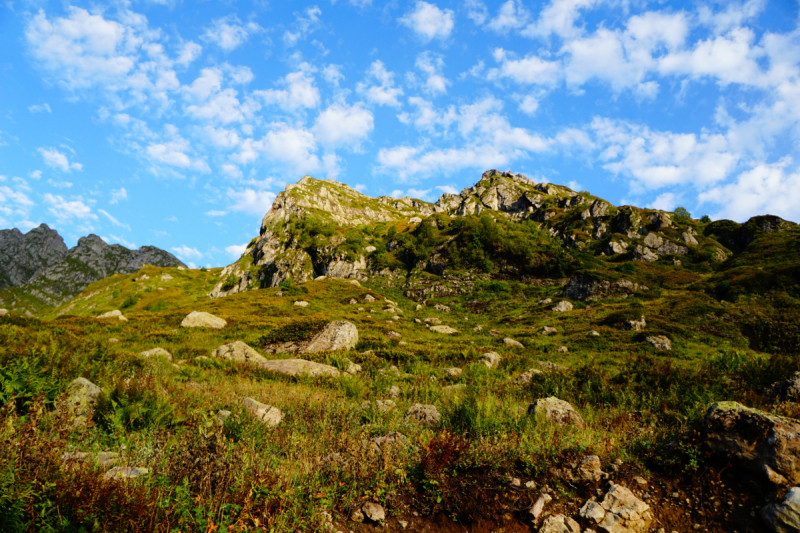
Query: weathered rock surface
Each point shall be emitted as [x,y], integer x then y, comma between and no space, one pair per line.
[619,512]
[589,469]
[643,253]
[114,314]
[511,343]
[453,372]
[559,524]
[584,287]
[267,414]
[156,352]
[635,325]
[82,396]
[201,319]
[446,330]
[554,410]
[784,517]
[527,376]
[491,359]
[785,390]
[298,367]
[23,255]
[660,342]
[122,473]
[334,336]
[423,414]
[391,441]
[240,352]
[301,303]
[549,330]
[374,511]
[563,306]
[767,444]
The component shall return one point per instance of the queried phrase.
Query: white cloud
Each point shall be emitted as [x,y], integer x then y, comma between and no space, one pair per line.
[665,202]
[511,16]
[396,193]
[529,104]
[558,18]
[236,250]
[333,74]
[36,174]
[429,22]
[417,193]
[174,152]
[13,204]
[341,124]
[222,137]
[113,220]
[185,252]
[305,24]
[574,185]
[229,32]
[384,91]
[189,51]
[477,11]
[300,90]
[765,189]
[119,194]
[59,184]
[215,213]
[232,171]
[431,65]
[251,201]
[360,187]
[66,210]
[114,238]
[40,108]
[529,70]
[56,159]
[449,189]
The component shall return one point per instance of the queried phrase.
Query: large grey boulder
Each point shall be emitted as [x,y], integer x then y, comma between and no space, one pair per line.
[298,367]
[240,352]
[446,330]
[585,287]
[82,396]
[490,359]
[554,410]
[660,342]
[266,414]
[116,313]
[559,523]
[511,343]
[423,414]
[767,444]
[201,319]
[619,512]
[563,306]
[337,335]
[643,253]
[784,517]
[670,248]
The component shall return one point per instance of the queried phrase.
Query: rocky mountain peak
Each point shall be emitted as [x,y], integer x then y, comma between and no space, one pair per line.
[22,255]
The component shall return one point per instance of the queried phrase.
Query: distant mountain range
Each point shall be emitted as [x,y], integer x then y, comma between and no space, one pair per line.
[38,270]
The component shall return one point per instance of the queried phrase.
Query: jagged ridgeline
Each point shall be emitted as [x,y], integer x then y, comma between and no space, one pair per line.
[506,226]
[37,271]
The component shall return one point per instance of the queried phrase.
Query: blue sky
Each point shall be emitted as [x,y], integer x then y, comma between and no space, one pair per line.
[175,123]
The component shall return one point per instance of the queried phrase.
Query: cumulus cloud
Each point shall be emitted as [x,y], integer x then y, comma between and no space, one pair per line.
[300,90]
[118,195]
[114,220]
[530,70]
[229,32]
[429,22]
[236,250]
[449,189]
[186,252]
[40,108]
[174,152]
[305,23]
[512,15]
[13,203]
[66,210]
[431,65]
[251,201]
[341,124]
[378,87]
[55,159]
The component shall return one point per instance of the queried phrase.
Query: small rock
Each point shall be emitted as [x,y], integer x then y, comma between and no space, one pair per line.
[589,468]
[240,352]
[555,410]
[403,523]
[166,277]
[271,416]
[477,328]
[320,278]
[374,511]
[113,340]
[538,507]
[530,484]
[432,321]
[563,306]
[126,472]
[494,332]
[635,325]
[491,359]
[297,367]
[301,303]
[639,480]
[393,439]
[369,249]
[393,334]
[419,307]
[440,307]
[351,367]
[511,343]
[527,376]
[393,391]
[563,349]
[546,301]
[222,416]
[357,516]
[353,301]
[3,312]
[82,395]
[453,372]
[593,333]
[660,342]
[784,517]
[354,282]
[156,352]
[114,314]
[369,298]
[200,319]
[548,330]
[559,524]
[446,330]
[424,414]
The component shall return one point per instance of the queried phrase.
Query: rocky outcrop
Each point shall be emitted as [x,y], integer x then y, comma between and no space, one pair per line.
[619,511]
[23,255]
[584,287]
[266,414]
[788,390]
[239,352]
[559,523]
[660,342]
[784,517]
[554,410]
[767,444]
[645,254]
[334,336]
[423,414]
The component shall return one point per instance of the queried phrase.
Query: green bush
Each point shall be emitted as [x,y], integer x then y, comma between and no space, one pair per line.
[129,301]
[297,331]
[133,405]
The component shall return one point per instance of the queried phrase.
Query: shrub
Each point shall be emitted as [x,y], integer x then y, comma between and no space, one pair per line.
[230,282]
[129,301]
[682,215]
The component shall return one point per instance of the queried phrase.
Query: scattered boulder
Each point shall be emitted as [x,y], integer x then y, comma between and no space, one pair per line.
[447,330]
[585,287]
[354,282]
[546,301]
[104,459]
[201,319]
[527,376]
[563,306]
[785,390]
[784,517]
[267,414]
[353,301]
[554,410]
[440,307]
[549,330]
[113,340]
[121,473]
[477,328]
[688,238]
[369,298]
[635,325]
[383,406]
[298,367]
[374,511]
[620,511]
[536,510]
[547,365]
[670,248]
[82,396]
[3,312]
[660,342]
[494,332]
[559,524]
[369,249]
[643,253]
[423,414]
[765,443]
[491,359]
[393,439]
[453,372]
[301,303]
[432,321]
[511,343]
[156,352]
[352,368]
[616,247]
[563,349]
[116,313]
[592,333]
[336,335]
[166,277]
[393,391]
[393,334]
[589,469]
[222,416]
[240,352]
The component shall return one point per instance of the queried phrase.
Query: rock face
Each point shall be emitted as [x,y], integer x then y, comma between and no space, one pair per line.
[643,253]
[297,367]
[240,352]
[635,325]
[590,469]
[785,390]
[554,410]
[619,512]
[201,319]
[423,414]
[266,414]
[584,287]
[82,396]
[337,335]
[563,306]
[559,524]
[767,444]
[660,342]
[784,517]
[39,263]
[490,359]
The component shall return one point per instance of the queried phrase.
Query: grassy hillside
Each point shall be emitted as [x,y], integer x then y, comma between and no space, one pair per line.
[640,405]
